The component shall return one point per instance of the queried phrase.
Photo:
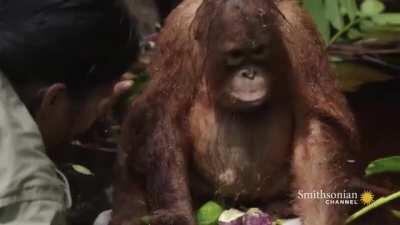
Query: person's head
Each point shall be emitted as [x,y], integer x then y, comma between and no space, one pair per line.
[64,57]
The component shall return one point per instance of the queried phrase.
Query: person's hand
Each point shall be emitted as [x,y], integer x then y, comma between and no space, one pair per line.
[103,218]
[119,88]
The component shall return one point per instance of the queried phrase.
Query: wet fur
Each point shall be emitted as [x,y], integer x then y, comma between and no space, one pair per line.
[176,141]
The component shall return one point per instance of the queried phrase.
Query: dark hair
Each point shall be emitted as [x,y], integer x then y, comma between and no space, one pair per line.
[166,6]
[81,43]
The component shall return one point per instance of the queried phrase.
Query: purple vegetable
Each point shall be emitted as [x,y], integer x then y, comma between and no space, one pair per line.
[231,217]
[255,216]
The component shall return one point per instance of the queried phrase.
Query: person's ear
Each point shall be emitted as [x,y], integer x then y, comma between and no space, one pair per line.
[54,99]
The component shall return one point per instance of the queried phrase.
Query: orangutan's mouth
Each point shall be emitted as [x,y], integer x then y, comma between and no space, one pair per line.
[248,89]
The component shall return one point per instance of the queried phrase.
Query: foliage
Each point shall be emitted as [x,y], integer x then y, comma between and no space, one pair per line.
[386,165]
[347,20]
[352,76]
[82,170]
[209,213]
[361,37]
[379,202]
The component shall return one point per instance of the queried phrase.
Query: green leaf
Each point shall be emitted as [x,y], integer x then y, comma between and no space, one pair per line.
[278,222]
[381,34]
[228,216]
[354,34]
[391,164]
[82,170]
[145,220]
[333,14]
[343,31]
[379,202]
[209,213]
[367,25]
[349,8]
[396,213]
[386,19]
[335,59]
[372,7]
[316,9]
[352,76]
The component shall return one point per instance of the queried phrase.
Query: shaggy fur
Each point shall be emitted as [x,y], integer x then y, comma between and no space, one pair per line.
[178,144]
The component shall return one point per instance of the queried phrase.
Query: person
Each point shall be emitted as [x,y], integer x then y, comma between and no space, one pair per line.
[60,63]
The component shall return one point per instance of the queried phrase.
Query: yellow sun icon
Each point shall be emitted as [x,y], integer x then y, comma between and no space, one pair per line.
[367,197]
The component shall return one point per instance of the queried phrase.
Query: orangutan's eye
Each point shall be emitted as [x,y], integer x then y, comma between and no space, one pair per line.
[235,58]
[259,52]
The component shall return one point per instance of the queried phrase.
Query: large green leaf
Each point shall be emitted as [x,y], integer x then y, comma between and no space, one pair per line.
[209,213]
[354,34]
[367,25]
[352,76]
[316,9]
[391,164]
[333,14]
[396,213]
[372,7]
[349,8]
[387,19]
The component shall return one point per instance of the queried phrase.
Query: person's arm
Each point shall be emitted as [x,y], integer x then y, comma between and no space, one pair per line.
[38,212]
[30,191]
